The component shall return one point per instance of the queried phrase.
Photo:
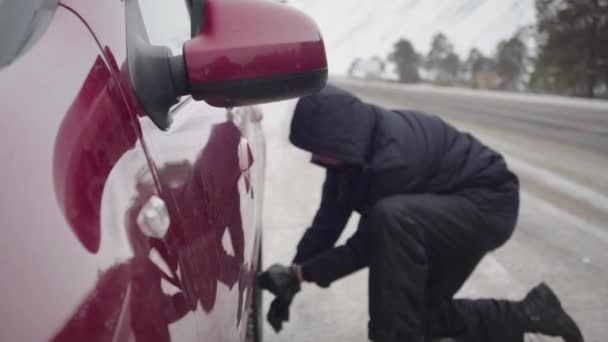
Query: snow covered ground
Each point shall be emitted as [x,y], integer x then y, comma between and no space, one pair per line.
[361,28]
[529,98]
[557,146]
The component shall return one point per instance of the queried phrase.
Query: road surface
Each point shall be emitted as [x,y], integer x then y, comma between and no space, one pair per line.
[558,147]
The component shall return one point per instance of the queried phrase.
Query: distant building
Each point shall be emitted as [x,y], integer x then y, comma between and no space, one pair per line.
[373,68]
[484,80]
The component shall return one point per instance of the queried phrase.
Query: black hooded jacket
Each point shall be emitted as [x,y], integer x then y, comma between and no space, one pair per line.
[386,153]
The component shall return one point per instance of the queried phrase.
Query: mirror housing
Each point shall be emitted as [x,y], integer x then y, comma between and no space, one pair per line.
[249,52]
[243,52]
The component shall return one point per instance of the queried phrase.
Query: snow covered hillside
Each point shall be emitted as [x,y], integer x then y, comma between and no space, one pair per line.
[364,28]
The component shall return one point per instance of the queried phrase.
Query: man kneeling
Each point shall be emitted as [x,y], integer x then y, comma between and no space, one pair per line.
[433,201]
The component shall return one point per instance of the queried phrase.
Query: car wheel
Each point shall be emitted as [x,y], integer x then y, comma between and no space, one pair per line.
[255,324]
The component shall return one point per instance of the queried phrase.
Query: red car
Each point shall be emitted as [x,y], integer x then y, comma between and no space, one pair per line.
[131,211]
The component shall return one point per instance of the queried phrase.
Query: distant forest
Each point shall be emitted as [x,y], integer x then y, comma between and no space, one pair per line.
[565,53]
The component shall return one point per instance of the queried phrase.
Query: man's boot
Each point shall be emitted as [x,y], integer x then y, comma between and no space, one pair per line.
[544,315]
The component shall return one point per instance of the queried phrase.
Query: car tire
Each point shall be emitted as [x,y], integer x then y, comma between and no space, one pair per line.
[255,323]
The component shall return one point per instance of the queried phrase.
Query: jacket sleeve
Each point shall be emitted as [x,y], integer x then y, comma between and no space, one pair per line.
[329,222]
[338,262]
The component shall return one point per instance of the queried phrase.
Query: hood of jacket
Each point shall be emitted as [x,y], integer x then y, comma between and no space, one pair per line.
[334,123]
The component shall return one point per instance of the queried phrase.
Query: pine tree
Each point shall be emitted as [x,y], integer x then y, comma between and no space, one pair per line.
[451,67]
[511,60]
[573,47]
[354,66]
[407,60]
[442,60]
[477,62]
[479,70]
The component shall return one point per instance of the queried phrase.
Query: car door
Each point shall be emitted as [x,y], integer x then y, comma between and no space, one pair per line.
[74,181]
[205,165]
[121,224]
[208,162]
[207,169]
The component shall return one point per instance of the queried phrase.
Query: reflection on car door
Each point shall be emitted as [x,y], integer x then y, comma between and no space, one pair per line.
[204,165]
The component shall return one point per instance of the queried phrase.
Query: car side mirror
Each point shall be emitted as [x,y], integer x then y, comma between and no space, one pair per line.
[253,51]
[245,52]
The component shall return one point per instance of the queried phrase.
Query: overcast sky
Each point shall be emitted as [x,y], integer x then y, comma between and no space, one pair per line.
[364,28]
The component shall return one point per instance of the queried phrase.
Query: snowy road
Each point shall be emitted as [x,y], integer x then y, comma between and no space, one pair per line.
[558,147]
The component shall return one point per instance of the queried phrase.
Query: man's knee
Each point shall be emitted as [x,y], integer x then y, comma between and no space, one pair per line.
[392,213]
[383,211]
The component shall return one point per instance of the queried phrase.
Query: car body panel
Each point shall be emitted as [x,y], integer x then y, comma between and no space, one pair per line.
[65,131]
[83,160]
[216,237]
[180,153]
[106,21]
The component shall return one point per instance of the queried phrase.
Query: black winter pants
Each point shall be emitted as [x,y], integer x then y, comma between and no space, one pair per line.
[422,249]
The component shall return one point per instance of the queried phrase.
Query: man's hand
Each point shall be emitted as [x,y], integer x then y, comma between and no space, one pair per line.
[278,313]
[280,280]
[284,283]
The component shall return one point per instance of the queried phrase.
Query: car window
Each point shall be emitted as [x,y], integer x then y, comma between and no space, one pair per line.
[167,23]
[21,24]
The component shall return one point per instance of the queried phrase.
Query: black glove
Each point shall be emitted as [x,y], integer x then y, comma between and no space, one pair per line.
[283,282]
[278,313]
